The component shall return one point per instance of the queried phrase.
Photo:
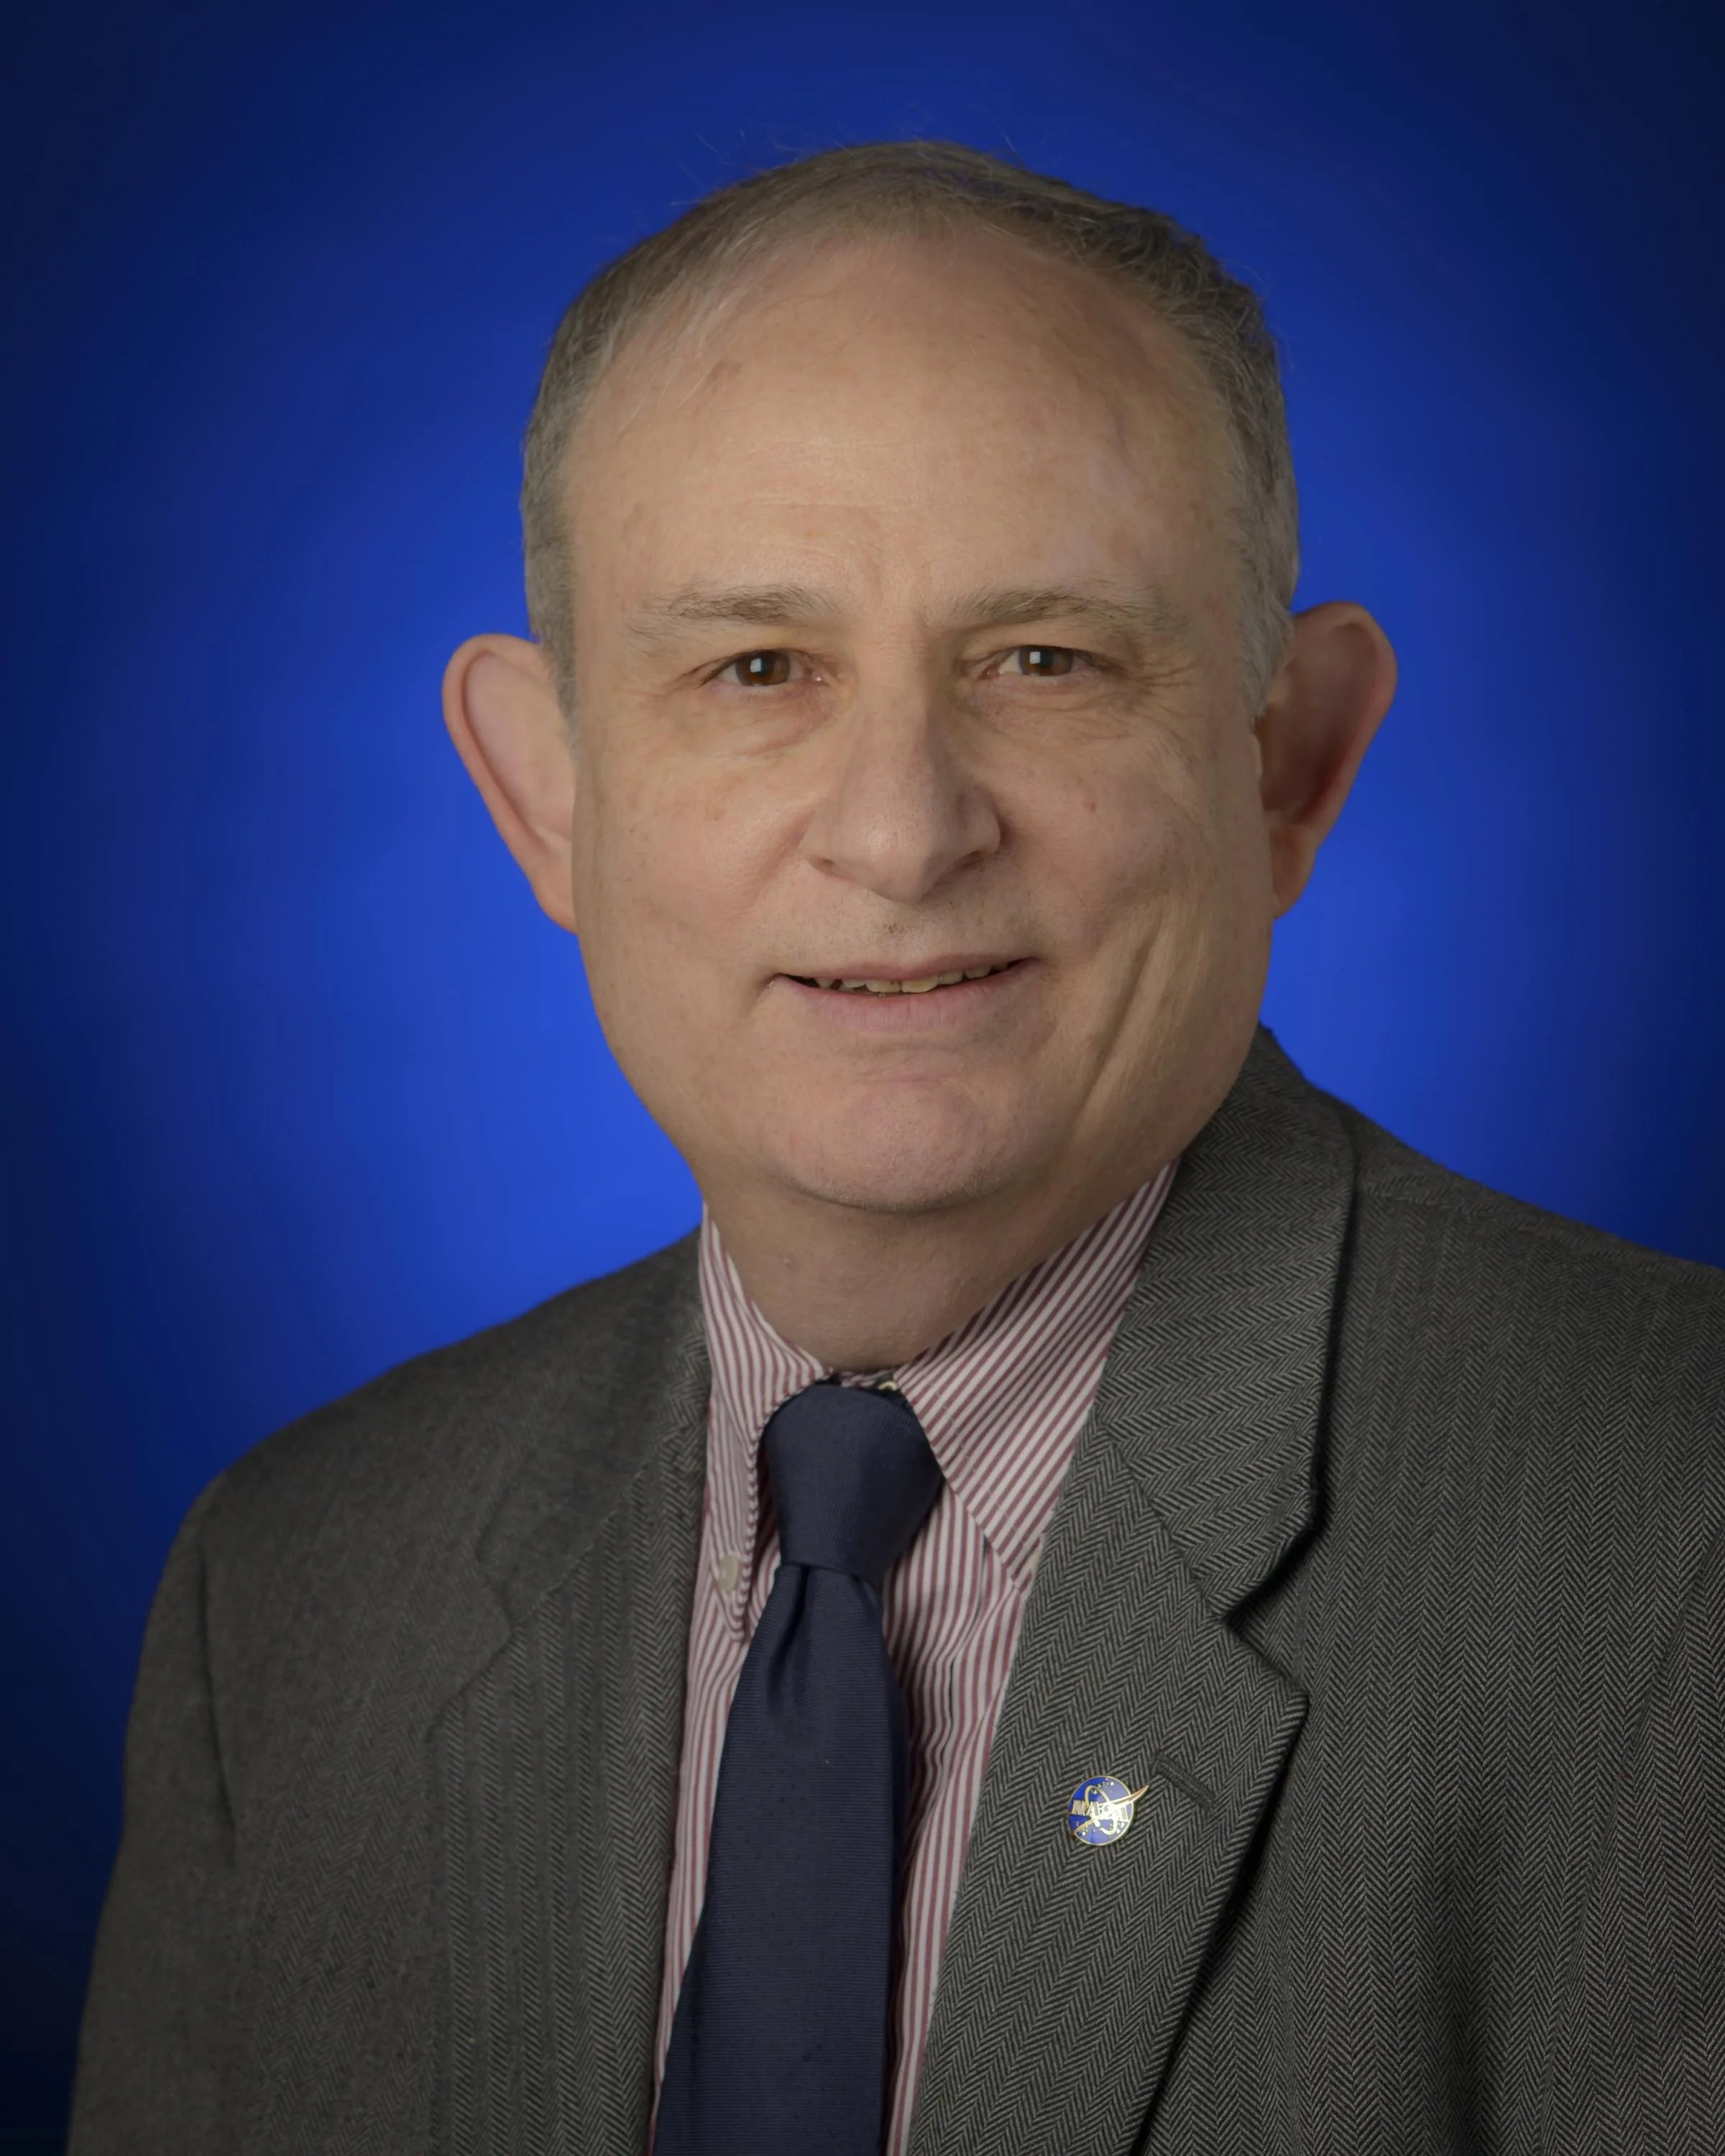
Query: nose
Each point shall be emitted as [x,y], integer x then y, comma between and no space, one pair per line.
[902,813]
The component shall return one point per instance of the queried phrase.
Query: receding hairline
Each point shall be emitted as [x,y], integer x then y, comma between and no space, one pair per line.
[645,360]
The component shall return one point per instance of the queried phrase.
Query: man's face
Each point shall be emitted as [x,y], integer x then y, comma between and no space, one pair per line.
[906,631]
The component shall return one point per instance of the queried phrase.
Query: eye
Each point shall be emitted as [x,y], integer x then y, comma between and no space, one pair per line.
[1042,662]
[758,669]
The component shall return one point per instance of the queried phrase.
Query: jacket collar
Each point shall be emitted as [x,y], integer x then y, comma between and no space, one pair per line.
[628,1401]
[1213,1392]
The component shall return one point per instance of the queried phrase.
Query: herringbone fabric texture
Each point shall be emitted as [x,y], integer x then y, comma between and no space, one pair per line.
[1391,1561]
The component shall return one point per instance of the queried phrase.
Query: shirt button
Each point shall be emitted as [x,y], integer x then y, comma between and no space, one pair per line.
[726,1570]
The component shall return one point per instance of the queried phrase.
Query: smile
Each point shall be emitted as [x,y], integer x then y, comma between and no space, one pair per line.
[883,985]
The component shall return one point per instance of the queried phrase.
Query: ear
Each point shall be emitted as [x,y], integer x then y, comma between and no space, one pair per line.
[1324,705]
[502,710]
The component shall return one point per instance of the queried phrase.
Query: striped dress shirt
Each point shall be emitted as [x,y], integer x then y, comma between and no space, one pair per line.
[1003,1400]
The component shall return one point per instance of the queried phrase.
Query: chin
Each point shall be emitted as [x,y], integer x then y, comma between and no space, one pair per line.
[900,1162]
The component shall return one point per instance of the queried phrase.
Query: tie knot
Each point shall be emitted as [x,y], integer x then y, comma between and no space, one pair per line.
[853,1478]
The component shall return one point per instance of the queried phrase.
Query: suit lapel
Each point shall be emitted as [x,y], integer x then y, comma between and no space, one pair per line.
[556,1768]
[1069,1970]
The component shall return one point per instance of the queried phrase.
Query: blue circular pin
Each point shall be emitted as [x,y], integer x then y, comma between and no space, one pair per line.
[1101,1809]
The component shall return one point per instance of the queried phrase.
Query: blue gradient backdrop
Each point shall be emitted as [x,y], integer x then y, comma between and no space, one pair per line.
[298,1082]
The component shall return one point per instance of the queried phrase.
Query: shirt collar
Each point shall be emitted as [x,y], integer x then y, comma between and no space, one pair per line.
[1026,1363]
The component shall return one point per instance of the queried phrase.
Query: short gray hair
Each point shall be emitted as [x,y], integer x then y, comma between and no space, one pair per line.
[894,189]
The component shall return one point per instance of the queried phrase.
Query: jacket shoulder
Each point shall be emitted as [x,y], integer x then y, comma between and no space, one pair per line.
[432,1434]
[1392,1171]
[1392,1174]
[342,1588]
[1544,1323]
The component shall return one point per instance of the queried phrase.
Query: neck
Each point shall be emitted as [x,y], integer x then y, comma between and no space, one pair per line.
[863,1291]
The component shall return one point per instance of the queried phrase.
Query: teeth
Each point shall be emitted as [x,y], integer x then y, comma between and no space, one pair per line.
[859,985]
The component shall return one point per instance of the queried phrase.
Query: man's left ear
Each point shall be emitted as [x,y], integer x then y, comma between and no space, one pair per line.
[1325,703]
[501,707]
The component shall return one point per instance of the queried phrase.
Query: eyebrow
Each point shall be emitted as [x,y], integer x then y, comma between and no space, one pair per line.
[760,606]
[1154,614]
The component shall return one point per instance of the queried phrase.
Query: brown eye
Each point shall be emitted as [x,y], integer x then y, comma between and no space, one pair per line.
[1043,661]
[762,669]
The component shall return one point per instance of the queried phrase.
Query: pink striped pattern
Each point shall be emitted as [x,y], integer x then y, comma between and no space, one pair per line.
[1003,1400]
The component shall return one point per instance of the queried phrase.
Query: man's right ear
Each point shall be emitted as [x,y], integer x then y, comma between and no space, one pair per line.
[501,707]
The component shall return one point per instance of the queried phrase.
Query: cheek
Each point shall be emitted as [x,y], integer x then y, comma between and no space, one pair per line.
[667,866]
[1161,877]
[1143,841]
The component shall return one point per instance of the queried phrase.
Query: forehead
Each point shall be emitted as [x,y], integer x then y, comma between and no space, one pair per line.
[899,393]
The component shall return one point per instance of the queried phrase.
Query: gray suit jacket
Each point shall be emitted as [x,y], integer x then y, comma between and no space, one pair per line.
[1391,1558]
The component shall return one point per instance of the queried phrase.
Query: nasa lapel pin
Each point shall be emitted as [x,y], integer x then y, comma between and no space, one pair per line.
[1100,1810]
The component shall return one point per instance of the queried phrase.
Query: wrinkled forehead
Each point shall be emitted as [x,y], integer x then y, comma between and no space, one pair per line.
[915,362]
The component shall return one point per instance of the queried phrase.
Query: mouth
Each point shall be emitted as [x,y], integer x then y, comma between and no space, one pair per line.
[899,984]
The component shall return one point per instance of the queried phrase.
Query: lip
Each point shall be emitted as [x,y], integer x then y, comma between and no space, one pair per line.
[940,1011]
[962,961]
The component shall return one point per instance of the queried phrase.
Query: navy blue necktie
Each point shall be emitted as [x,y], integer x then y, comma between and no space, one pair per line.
[779,2044]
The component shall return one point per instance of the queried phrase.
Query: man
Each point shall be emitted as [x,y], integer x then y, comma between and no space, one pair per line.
[1103,1603]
